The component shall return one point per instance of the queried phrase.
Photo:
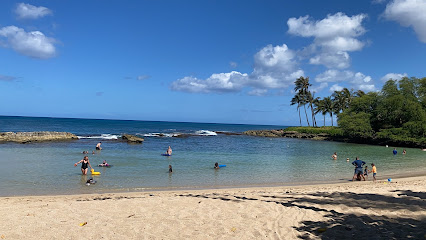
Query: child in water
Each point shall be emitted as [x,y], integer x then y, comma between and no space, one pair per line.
[216,165]
[170,169]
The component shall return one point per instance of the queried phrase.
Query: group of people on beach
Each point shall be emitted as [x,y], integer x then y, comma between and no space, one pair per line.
[361,172]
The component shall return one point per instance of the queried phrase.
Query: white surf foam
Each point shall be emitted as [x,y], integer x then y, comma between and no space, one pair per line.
[102,136]
[205,133]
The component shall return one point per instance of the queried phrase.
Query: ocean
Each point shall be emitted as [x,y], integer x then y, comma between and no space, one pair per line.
[47,168]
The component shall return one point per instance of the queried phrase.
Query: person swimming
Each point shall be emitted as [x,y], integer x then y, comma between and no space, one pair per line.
[104,164]
[216,166]
[169,151]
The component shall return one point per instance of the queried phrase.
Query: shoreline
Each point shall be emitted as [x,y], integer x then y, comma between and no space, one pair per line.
[395,210]
[394,177]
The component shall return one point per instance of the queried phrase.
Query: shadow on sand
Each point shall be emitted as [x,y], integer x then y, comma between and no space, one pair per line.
[350,225]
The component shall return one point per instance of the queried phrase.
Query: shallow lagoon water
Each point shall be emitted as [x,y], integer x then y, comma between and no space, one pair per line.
[47,168]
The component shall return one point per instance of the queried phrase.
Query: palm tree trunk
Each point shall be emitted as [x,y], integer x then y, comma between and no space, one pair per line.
[331,115]
[324,120]
[307,120]
[300,118]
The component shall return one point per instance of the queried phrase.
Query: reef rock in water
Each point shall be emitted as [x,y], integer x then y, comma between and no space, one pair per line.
[27,137]
[132,139]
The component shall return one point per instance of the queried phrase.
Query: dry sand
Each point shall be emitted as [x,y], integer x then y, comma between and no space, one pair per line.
[362,210]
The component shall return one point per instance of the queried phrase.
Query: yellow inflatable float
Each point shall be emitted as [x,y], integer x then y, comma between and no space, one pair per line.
[94,173]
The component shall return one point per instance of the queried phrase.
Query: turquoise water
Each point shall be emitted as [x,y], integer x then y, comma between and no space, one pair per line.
[47,168]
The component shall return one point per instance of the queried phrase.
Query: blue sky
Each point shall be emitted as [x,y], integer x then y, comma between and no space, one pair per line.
[199,61]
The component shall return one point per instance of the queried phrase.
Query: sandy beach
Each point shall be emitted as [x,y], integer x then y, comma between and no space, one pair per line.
[381,210]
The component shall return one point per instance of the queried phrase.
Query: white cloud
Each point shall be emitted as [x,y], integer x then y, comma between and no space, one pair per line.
[233,64]
[367,87]
[334,36]
[336,87]
[332,60]
[274,67]
[409,13]
[143,77]
[356,80]
[257,92]
[393,76]
[218,82]
[27,11]
[32,44]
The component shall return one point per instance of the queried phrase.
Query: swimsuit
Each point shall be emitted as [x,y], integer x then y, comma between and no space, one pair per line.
[98,148]
[84,165]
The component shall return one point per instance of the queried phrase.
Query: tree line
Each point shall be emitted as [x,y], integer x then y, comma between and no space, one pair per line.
[396,113]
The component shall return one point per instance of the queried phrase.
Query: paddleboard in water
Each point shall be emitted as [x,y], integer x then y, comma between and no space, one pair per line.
[167,155]
[222,165]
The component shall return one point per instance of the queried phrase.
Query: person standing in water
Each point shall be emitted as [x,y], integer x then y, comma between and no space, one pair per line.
[84,165]
[170,169]
[169,151]
[394,151]
[98,146]
[334,156]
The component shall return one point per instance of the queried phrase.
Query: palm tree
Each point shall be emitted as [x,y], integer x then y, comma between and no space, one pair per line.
[302,85]
[359,93]
[319,108]
[312,100]
[297,100]
[328,108]
[302,88]
[339,101]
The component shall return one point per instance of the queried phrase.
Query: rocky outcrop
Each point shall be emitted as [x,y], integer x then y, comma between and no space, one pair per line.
[286,134]
[132,138]
[27,137]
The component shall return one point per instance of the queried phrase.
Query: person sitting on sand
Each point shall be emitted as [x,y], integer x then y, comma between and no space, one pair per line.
[98,146]
[334,156]
[84,163]
[169,151]
[170,169]
[358,168]
[216,165]
[374,171]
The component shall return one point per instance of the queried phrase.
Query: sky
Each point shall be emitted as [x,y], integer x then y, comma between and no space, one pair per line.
[200,60]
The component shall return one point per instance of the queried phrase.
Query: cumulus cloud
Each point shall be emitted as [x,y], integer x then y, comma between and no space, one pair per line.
[338,59]
[32,44]
[143,77]
[28,11]
[408,13]
[7,78]
[334,36]
[356,80]
[274,67]
[393,76]
[218,82]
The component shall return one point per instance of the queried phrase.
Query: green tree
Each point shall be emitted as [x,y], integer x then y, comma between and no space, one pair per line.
[297,100]
[355,125]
